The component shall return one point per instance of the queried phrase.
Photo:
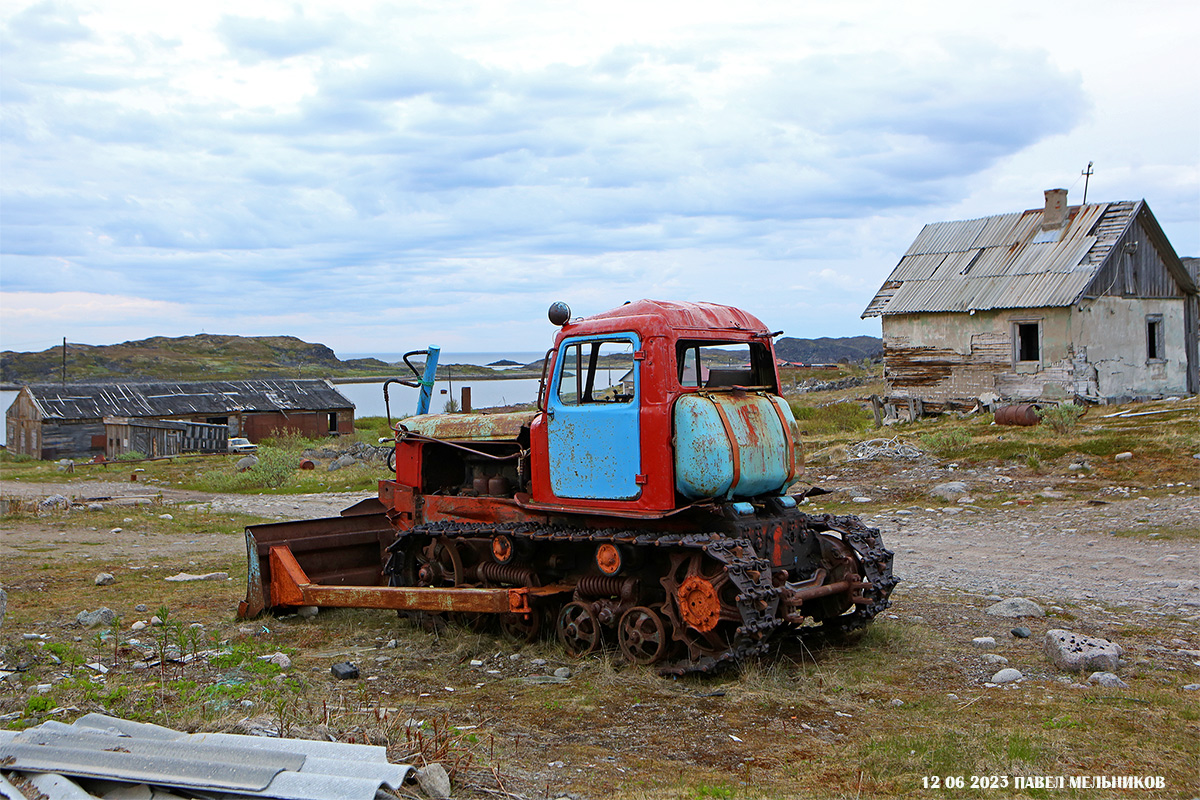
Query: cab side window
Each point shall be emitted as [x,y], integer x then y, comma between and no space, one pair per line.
[597,372]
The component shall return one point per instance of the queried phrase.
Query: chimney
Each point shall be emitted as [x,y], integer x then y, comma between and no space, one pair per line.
[1055,215]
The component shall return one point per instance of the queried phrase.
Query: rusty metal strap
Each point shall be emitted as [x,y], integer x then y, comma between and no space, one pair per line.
[733,445]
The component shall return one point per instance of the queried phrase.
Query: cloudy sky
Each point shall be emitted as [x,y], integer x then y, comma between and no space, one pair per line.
[381,176]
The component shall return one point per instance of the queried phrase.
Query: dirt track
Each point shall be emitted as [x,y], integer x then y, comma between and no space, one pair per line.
[1064,550]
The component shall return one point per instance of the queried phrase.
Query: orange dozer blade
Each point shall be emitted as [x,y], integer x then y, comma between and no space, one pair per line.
[334,551]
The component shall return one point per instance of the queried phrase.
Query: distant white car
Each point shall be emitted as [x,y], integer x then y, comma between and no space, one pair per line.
[241,444]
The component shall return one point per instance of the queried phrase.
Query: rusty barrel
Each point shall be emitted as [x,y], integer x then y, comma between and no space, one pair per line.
[1020,414]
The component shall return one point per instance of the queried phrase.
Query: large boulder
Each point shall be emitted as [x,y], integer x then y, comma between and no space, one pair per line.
[101,616]
[1016,607]
[1074,652]
[949,491]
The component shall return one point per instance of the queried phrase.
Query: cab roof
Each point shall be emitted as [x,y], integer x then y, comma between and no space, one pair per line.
[672,319]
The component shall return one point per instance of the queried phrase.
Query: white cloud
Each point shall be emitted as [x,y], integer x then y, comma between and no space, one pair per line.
[370,173]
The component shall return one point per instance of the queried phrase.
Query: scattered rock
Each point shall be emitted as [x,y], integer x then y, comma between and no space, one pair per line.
[101,616]
[1107,680]
[1016,607]
[116,530]
[1192,687]
[105,579]
[138,626]
[344,460]
[282,660]
[344,671]
[156,621]
[949,491]
[95,507]
[860,499]
[1021,633]
[897,702]
[992,658]
[1123,456]
[208,576]
[166,517]
[434,781]
[983,642]
[1007,675]
[1050,494]
[141,608]
[307,612]
[1074,652]
[562,672]
[52,502]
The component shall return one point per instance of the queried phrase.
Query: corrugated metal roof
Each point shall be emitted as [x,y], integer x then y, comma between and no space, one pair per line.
[96,400]
[1003,261]
[98,746]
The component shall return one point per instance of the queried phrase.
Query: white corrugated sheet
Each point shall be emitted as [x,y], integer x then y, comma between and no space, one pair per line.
[1005,261]
[228,766]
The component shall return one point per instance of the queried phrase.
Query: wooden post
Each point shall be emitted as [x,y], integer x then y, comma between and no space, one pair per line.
[877,410]
[465,406]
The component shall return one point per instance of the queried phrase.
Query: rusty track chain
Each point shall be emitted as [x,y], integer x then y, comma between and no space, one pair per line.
[876,562]
[757,600]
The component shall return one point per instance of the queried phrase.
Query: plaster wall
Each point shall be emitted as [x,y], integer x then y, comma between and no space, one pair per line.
[1112,332]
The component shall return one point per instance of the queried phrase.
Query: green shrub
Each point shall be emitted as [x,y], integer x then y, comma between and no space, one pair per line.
[832,418]
[1063,418]
[946,443]
[273,469]
[132,455]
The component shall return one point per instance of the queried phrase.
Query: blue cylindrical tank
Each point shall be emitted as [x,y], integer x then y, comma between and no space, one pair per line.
[734,445]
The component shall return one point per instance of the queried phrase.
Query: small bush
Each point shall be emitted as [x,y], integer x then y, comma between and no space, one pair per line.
[132,455]
[273,469]
[946,443]
[832,418]
[1063,418]
[9,457]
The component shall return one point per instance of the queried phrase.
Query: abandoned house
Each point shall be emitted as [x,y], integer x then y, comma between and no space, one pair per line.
[75,420]
[1060,302]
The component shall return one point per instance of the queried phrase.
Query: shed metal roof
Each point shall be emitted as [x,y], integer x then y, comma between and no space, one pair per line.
[1003,261]
[97,400]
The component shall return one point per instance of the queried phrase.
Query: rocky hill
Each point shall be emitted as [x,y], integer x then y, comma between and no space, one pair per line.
[829,351]
[202,357]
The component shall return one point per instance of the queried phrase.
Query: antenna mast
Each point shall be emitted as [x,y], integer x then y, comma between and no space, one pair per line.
[1087,175]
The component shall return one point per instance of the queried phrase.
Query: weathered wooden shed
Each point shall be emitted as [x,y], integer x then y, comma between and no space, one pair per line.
[1059,302]
[67,420]
[161,437]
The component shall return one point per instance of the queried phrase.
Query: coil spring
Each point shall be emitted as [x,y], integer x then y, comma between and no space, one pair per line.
[600,585]
[506,573]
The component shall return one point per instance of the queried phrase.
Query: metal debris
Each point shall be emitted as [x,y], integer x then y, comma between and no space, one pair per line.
[98,747]
[883,448]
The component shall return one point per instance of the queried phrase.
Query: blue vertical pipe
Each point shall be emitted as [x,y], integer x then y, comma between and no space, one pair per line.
[427,380]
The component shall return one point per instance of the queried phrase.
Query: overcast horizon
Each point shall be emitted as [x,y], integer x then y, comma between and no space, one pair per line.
[379,177]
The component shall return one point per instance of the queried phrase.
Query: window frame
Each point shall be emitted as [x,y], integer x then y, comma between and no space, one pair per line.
[1018,340]
[1155,339]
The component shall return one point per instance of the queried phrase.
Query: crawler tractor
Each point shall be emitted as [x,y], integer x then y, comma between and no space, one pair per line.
[643,503]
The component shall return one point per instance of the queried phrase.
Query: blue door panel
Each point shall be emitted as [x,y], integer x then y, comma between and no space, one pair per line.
[595,448]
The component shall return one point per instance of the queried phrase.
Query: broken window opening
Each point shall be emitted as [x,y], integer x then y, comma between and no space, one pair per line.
[1154,338]
[723,365]
[597,372]
[1028,341]
[333,422]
